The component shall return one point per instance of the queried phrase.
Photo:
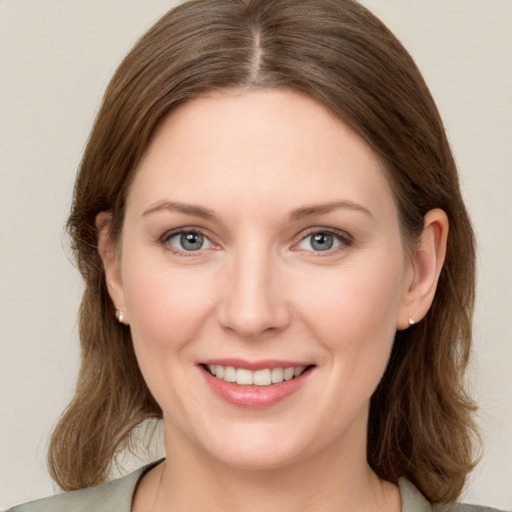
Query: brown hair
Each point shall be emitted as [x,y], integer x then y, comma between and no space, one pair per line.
[338,53]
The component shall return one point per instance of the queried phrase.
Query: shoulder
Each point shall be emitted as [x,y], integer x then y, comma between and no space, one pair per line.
[115,495]
[414,501]
[462,507]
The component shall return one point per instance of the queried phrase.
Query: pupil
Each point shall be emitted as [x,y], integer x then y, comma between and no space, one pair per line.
[322,242]
[191,241]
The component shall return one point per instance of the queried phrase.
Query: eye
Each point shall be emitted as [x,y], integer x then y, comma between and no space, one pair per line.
[188,241]
[322,241]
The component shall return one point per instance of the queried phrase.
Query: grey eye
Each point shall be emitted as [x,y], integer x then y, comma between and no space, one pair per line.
[322,241]
[189,241]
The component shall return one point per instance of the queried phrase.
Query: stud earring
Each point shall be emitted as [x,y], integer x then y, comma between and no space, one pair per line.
[411,321]
[119,316]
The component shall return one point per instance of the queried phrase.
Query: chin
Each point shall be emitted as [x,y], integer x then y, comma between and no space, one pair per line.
[260,458]
[263,447]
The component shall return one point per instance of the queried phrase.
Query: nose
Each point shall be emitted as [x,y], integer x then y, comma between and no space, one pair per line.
[253,301]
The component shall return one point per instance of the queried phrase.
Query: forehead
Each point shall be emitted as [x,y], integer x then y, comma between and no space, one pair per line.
[262,143]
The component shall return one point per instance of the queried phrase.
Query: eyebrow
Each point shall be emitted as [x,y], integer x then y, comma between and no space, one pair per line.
[321,209]
[174,206]
[298,214]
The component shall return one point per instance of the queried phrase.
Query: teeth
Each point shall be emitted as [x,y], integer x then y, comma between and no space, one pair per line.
[244,377]
[297,371]
[262,378]
[229,374]
[288,373]
[277,375]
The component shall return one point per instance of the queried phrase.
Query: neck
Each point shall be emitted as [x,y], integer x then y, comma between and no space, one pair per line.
[333,479]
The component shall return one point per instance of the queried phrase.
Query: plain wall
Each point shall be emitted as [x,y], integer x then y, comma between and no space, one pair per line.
[56,57]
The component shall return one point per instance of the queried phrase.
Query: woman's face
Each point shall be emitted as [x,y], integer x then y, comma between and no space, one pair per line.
[261,235]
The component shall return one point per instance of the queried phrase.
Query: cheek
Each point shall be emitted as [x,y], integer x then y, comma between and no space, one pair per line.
[166,308]
[355,309]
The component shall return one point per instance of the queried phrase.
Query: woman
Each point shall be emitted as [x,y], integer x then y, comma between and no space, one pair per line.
[278,263]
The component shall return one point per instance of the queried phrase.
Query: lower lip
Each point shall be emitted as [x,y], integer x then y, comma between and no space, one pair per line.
[254,397]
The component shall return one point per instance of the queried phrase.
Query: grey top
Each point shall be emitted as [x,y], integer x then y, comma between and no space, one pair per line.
[116,496]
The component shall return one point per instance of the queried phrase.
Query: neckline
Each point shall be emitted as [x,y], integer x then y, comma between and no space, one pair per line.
[411,497]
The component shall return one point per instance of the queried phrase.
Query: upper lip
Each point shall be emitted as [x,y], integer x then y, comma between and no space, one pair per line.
[256,365]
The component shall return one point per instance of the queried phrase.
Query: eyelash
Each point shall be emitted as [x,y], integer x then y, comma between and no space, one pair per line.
[343,238]
[165,241]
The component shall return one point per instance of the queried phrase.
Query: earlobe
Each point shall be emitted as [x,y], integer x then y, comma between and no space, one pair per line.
[427,261]
[111,267]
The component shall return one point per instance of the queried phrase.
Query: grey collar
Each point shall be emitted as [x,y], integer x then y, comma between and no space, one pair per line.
[412,499]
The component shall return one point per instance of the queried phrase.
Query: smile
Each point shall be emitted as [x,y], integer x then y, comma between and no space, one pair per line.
[263,377]
[255,384]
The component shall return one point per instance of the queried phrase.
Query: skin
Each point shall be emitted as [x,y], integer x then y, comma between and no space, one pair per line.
[258,161]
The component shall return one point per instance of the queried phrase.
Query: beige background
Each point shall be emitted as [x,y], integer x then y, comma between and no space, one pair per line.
[56,57]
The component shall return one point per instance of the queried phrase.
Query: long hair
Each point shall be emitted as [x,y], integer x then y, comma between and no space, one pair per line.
[338,53]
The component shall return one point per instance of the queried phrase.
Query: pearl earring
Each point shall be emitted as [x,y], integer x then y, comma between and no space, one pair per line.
[119,316]
[411,321]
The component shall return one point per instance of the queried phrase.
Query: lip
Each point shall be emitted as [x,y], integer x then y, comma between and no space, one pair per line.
[254,397]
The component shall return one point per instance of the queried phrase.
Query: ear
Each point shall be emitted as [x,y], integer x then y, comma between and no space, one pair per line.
[111,265]
[427,259]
